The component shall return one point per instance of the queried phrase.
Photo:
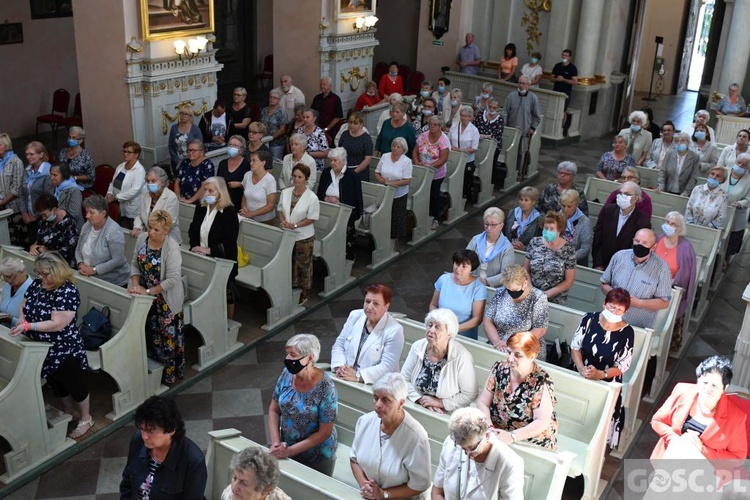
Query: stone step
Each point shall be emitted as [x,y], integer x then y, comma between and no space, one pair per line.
[155,370]
[57,422]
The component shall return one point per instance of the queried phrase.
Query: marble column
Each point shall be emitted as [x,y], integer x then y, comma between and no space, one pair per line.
[587,45]
[737,48]
[562,26]
[741,362]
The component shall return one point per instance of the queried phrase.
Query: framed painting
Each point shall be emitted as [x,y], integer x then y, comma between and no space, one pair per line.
[11,33]
[44,9]
[163,19]
[354,8]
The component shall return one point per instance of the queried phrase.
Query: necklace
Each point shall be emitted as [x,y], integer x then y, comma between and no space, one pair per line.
[702,409]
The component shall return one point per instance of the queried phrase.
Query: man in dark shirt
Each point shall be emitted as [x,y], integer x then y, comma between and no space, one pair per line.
[328,106]
[564,76]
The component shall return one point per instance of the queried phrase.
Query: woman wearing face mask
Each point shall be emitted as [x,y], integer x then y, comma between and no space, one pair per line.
[79,159]
[442,96]
[705,148]
[67,192]
[533,70]
[234,168]
[551,260]
[391,82]
[516,307]
[483,99]
[158,196]
[707,205]
[303,410]
[680,169]
[638,138]
[602,349]
[416,105]
[451,112]
[429,105]
[462,292]
[728,156]
[612,163]
[370,97]
[57,230]
[506,71]
[677,251]
[491,124]
[737,187]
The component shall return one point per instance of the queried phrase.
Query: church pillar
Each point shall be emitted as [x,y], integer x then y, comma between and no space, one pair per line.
[562,26]
[737,49]
[587,45]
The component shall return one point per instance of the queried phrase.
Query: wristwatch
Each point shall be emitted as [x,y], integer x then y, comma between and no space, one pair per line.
[94,269]
[295,225]
[513,436]
[359,376]
[385,494]
[148,291]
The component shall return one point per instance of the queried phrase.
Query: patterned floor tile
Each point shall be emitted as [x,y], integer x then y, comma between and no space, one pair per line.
[237,403]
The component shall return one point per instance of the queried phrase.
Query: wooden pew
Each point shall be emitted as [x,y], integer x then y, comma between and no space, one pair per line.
[663,203]
[454,185]
[205,303]
[4,232]
[509,156]
[584,407]
[484,161]
[123,357]
[544,471]
[727,127]
[536,143]
[270,250]
[187,210]
[34,432]
[278,166]
[297,480]
[649,177]
[380,222]
[330,245]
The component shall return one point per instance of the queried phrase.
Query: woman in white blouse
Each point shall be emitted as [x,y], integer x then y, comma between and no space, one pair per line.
[395,169]
[299,208]
[439,370]
[158,196]
[259,196]
[464,137]
[390,456]
[298,145]
[127,184]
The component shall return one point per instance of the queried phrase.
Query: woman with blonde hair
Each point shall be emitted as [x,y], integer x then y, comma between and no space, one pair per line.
[180,136]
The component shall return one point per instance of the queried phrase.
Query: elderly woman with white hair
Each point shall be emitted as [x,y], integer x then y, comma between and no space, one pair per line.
[79,159]
[464,138]
[303,410]
[386,114]
[400,466]
[275,119]
[498,470]
[482,101]
[395,169]
[338,185]
[491,124]
[737,187]
[255,476]
[639,139]
[15,283]
[297,144]
[578,231]
[451,112]
[729,154]
[549,201]
[680,169]
[158,196]
[707,205]
[494,250]
[701,117]
[439,370]
[677,251]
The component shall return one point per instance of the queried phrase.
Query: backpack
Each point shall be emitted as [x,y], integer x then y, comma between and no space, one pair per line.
[96,328]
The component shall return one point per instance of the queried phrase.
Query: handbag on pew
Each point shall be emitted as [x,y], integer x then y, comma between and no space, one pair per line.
[96,328]
[558,354]
[243,258]
[367,215]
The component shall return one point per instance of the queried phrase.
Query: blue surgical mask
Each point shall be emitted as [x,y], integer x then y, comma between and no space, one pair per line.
[393,74]
[51,217]
[425,94]
[700,135]
[712,183]
[152,187]
[441,88]
[232,151]
[72,142]
[668,230]
[485,95]
[210,200]
[427,112]
[548,235]
[454,103]
[681,148]
[738,170]
[534,60]
[635,128]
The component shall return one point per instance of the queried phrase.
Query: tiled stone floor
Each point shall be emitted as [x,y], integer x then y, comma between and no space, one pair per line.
[238,394]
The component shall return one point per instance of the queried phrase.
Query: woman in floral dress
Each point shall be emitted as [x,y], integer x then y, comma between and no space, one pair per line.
[156,269]
[612,163]
[707,205]
[57,230]
[551,260]
[519,397]
[317,144]
[193,170]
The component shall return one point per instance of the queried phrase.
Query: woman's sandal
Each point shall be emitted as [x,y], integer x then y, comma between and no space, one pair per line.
[82,428]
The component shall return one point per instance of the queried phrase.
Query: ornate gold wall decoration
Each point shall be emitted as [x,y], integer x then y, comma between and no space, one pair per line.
[354,78]
[166,117]
[531,21]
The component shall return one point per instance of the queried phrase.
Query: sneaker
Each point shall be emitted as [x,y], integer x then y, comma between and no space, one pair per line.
[434,225]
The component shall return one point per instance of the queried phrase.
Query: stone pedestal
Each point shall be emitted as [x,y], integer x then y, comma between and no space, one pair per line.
[347,59]
[157,87]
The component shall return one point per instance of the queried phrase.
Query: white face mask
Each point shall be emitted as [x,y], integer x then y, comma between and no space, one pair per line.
[610,317]
[623,201]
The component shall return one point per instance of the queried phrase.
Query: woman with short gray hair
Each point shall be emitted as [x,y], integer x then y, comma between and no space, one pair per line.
[400,466]
[78,158]
[549,201]
[15,283]
[439,370]
[395,169]
[638,137]
[483,99]
[158,196]
[498,469]
[275,119]
[338,185]
[494,250]
[255,476]
[303,411]
[680,169]
[464,137]
[192,172]
[101,245]
[297,145]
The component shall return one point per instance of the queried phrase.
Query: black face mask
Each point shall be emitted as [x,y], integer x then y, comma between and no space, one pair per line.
[294,366]
[514,294]
[640,251]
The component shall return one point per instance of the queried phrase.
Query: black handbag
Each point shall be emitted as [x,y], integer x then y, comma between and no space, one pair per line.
[96,328]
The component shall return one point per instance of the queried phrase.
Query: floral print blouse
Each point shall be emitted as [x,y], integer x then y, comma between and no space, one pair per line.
[62,237]
[429,152]
[493,128]
[191,177]
[316,142]
[707,207]
[511,410]
[612,168]
[82,164]
[429,376]
[273,122]
[303,412]
[548,266]
[510,317]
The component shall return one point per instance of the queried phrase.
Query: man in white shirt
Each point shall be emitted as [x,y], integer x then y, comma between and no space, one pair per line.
[291,96]
[371,341]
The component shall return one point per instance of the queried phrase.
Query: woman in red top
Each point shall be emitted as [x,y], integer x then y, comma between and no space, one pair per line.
[370,97]
[392,82]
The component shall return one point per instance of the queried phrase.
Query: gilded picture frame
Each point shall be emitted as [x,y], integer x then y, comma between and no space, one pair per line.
[165,19]
[346,9]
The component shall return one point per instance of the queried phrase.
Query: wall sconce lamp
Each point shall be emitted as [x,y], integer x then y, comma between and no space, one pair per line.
[365,23]
[133,47]
[191,48]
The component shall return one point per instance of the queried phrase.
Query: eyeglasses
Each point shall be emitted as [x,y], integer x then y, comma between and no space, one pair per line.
[629,177]
[474,451]
[8,277]
[193,150]
[626,194]
[256,132]
[238,95]
[491,224]
[43,274]
[128,152]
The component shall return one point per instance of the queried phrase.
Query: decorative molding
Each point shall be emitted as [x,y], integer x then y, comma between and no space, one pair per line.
[166,117]
[354,78]
[600,78]
[587,80]
[531,21]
